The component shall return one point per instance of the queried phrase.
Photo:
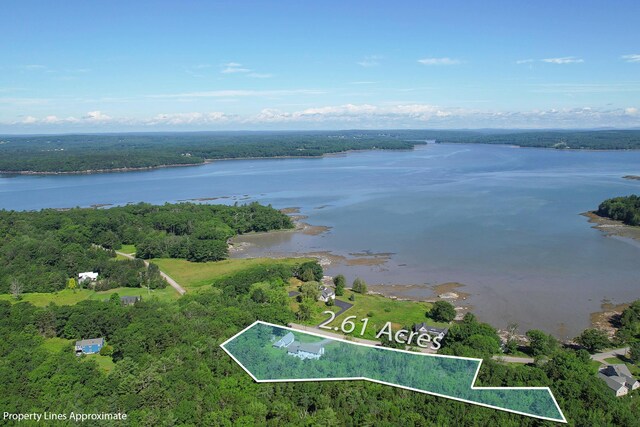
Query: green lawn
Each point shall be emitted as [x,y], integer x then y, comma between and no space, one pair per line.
[69,297]
[127,249]
[377,308]
[55,345]
[194,275]
[104,362]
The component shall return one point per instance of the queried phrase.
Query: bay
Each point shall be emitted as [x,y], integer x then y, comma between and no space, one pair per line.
[504,221]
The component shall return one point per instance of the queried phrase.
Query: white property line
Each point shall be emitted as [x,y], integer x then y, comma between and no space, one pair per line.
[563,420]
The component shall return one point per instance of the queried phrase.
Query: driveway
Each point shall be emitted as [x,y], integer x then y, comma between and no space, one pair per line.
[165,276]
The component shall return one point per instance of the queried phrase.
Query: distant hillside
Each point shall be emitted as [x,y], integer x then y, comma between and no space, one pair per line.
[590,140]
[109,152]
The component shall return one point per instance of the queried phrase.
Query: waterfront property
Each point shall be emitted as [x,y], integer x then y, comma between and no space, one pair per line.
[433,331]
[326,293]
[306,350]
[89,346]
[619,379]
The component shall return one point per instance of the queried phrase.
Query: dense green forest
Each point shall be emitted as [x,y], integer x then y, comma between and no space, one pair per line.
[77,153]
[570,139]
[625,209]
[170,370]
[41,250]
[71,153]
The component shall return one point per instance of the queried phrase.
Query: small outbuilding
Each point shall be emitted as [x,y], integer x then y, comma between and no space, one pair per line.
[89,346]
[87,276]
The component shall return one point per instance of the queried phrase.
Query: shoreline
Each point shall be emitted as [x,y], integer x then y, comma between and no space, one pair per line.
[448,291]
[204,162]
[330,154]
[612,228]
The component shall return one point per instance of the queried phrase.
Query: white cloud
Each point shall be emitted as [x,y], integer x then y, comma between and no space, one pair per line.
[364,116]
[370,61]
[439,61]
[564,60]
[97,116]
[635,57]
[233,68]
[188,118]
[525,61]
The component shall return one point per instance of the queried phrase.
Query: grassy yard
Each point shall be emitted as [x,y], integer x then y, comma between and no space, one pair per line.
[377,308]
[127,249]
[195,275]
[69,297]
[104,362]
[55,345]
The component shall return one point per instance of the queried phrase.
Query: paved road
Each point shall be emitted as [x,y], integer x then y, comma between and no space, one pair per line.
[611,353]
[165,276]
[511,359]
[598,357]
[344,306]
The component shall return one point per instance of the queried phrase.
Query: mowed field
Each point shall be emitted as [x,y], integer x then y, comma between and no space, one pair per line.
[70,297]
[194,276]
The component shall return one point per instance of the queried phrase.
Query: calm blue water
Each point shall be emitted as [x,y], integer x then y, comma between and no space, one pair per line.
[504,221]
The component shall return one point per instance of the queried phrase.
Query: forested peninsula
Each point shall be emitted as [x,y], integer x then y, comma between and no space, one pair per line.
[90,153]
[625,209]
[40,251]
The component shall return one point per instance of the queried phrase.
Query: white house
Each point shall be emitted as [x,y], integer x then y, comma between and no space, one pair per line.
[87,276]
[433,331]
[326,293]
[619,379]
[306,350]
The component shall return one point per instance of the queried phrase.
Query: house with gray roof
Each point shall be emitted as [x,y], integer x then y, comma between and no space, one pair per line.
[89,346]
[619,379]
[285,341]
[306,350]
[326,293]
[433,331]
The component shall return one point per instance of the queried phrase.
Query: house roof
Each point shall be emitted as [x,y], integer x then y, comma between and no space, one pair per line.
[285,340]
[313,348]
[92,341]
[618,372]
[130,298]
[614,383]
[431,329]
[621,370]
[327,292]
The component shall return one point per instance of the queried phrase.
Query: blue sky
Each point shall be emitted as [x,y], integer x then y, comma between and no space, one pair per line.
[215,65]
